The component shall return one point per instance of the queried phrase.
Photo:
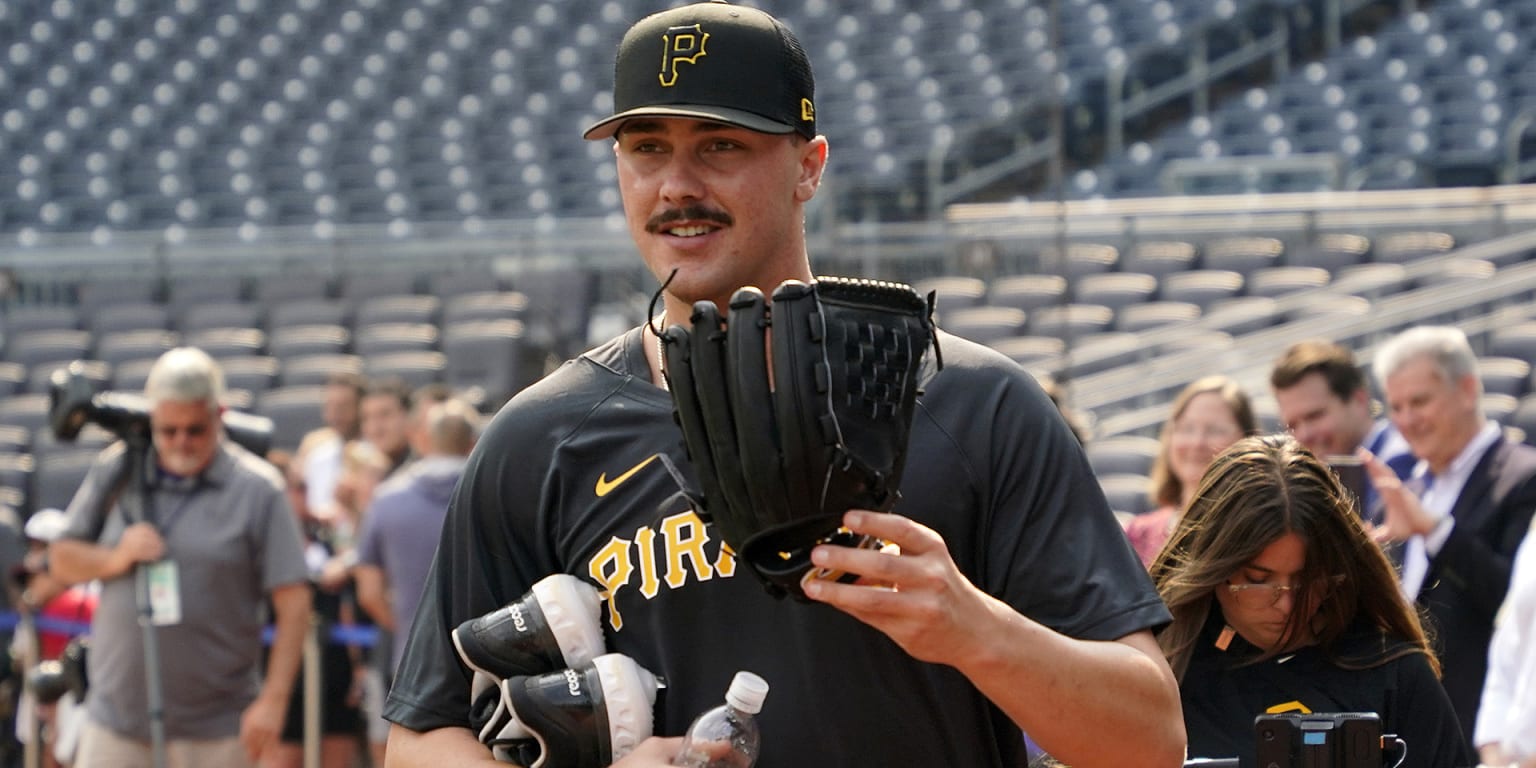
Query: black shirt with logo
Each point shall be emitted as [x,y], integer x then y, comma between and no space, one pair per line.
[575,475]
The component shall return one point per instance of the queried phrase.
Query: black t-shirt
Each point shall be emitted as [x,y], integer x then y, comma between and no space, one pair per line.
[1221,697]
[565,480]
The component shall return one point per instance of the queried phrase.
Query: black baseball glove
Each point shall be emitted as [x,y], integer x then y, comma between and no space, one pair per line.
[784,443]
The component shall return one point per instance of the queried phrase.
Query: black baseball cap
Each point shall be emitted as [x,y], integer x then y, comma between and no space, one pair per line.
[713,61]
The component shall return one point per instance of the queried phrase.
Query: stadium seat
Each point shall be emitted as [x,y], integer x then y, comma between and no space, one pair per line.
[484,305]
[1202,287]
[1403,247]
[1127,494]
[16,471]
[1273,282]
[59,474]
[294,411]
[272,290]
[488,356]
[25,318]
[358,287]
[984,325]
[1027,292]
[1155,314]
[1517,341]
[37,347]
[1123,454]
[457,283]
[1071,320]
[397,308]
[1242,315]
[1332,252]
[953,291]
[1115,290]
[1080,259]
[129,316]
[310,311]
[15,439]
[1159,257]
[1243,255]
[13,379]
[252,373]
[29,411]
[115,347]
[382,338]
[228,342]
[301,340]
[203,316]
[1371,281]
[416,368]
[1031,351]
[130,375]
[316,369]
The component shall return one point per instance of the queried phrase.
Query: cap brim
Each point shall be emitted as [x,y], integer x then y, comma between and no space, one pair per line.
[607,127]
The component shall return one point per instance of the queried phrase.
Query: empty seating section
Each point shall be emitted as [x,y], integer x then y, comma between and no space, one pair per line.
[142,114]
[1428,99]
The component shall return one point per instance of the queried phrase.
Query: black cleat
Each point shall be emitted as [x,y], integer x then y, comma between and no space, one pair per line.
[554,625]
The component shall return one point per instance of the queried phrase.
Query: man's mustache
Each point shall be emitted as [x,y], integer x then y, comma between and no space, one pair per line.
[689,213]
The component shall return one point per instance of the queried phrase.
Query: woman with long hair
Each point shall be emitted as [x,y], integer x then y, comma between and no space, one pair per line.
[1281,602]
[1208,415]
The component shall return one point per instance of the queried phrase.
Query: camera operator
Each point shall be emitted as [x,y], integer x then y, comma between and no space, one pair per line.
[209,524]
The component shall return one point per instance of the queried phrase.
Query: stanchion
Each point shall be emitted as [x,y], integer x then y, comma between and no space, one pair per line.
[312,733]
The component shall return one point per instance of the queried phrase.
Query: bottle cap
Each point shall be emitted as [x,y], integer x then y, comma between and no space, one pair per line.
[747,692]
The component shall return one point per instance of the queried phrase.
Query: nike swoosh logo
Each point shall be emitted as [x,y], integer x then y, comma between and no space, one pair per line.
[606,486]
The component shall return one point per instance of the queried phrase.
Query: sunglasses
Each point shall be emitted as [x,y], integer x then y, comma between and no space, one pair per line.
[192,430]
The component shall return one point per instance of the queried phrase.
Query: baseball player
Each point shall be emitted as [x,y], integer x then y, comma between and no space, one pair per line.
[1013,601]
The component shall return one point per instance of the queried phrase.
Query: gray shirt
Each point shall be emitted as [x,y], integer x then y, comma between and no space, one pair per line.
[233,538]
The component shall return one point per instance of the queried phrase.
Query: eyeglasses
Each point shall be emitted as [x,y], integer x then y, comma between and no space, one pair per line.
[1261,596]
[192,430]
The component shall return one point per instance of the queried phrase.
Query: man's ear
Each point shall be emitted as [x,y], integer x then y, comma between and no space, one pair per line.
[813,163]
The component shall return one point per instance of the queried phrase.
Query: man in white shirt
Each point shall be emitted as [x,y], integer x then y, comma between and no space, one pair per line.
[1506,722]
[1465,508]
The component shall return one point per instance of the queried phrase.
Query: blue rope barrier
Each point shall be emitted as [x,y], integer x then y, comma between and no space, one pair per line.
[339,634]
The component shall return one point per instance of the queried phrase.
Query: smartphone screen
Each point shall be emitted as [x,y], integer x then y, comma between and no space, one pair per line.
[1351,473]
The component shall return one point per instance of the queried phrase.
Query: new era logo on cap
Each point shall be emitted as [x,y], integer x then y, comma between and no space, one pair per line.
[713,61]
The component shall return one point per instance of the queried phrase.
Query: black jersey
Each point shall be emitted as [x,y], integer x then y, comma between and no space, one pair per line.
[1222,693]
[567,478]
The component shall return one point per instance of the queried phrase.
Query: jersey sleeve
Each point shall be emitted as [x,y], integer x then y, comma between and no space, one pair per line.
[1048,543]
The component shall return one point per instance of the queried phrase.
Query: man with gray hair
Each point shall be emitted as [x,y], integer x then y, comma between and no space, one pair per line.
[209,523]
[1465,507]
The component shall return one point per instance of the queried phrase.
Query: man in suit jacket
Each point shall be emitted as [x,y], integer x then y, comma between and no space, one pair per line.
[1465,508]
[1325,402]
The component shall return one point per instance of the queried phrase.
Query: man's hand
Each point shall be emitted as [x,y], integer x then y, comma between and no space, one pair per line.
[261,724]
[651,753]
[912,591]
[140,543]
[1403,515]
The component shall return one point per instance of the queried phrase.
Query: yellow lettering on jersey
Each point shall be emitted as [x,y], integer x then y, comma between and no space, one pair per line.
[611,568]
[1289,706]
[684,537]
[725,564]
[645,549]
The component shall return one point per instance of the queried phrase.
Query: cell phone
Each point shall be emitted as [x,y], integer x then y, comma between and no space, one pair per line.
[1318,740]
[1351,473]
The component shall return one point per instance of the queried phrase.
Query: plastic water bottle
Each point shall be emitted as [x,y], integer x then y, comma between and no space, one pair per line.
[726,736]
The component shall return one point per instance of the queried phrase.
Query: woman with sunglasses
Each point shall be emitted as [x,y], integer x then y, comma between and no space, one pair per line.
[1281,602]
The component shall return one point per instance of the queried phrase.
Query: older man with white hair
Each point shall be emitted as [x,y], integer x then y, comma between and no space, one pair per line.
[212,526]
[1463,510]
